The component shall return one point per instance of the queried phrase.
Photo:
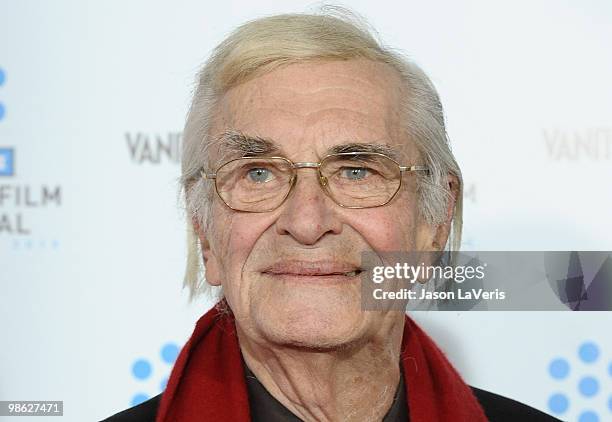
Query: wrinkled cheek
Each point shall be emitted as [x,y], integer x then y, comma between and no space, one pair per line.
[391,232]
[400,237]
[402,228]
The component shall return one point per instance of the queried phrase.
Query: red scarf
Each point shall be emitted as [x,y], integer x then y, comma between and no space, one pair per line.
[207,382]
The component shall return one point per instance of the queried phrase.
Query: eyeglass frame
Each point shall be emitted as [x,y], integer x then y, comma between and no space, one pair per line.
[322,179]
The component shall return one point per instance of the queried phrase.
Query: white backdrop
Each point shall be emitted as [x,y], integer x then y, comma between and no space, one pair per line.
[93,97]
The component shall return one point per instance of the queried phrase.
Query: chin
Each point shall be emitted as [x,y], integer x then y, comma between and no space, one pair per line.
[319,326]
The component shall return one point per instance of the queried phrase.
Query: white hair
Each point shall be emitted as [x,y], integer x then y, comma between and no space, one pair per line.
[333,33]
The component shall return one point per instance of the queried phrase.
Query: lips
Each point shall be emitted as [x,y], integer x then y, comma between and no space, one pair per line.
[313,269]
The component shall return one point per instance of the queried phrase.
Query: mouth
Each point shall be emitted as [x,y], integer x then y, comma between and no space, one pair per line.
[313,271]
[353,273]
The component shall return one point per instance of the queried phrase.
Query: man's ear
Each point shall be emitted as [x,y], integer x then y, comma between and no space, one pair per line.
[211,262]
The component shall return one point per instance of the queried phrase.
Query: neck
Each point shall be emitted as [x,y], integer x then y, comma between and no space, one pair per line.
[354,383]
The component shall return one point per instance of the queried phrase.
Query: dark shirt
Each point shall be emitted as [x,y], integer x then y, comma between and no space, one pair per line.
[496,407]
[265,408]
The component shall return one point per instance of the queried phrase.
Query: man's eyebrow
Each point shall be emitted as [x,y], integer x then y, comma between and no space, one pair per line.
[236,143]
[366,147]
[233,143]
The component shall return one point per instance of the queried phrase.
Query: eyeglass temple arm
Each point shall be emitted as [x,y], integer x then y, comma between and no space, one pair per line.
[413,168]
[207,175]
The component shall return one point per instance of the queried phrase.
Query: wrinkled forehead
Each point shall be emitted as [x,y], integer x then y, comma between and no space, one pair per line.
[306,111]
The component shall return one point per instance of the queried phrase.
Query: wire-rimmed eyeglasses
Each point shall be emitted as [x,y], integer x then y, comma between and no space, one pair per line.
[350,179]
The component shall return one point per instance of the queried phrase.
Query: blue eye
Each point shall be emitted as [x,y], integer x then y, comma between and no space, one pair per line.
[354,173]
[259,175]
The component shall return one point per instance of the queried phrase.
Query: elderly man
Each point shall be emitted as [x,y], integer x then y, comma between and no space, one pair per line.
[307,144]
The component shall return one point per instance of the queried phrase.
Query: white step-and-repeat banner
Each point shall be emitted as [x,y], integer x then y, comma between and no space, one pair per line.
[93,97]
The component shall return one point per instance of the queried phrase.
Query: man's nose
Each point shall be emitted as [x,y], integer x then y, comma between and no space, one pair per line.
[308,214]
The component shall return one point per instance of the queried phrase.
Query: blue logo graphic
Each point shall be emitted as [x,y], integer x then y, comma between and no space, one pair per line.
[143,370]
[2,79]
[559,369]
[588,352]
[588,385]
[7,161]
[169,353]
[588,416]
[558,403]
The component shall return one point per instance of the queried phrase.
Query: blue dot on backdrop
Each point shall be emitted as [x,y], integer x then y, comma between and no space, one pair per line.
[588,386]
[559,368]
[139,398]
[169,352]
[610,369]
[2,76]
[588,416]
[588,352]
[141,369]
[1,111]
[163,384]
[558,403]
[610,403]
